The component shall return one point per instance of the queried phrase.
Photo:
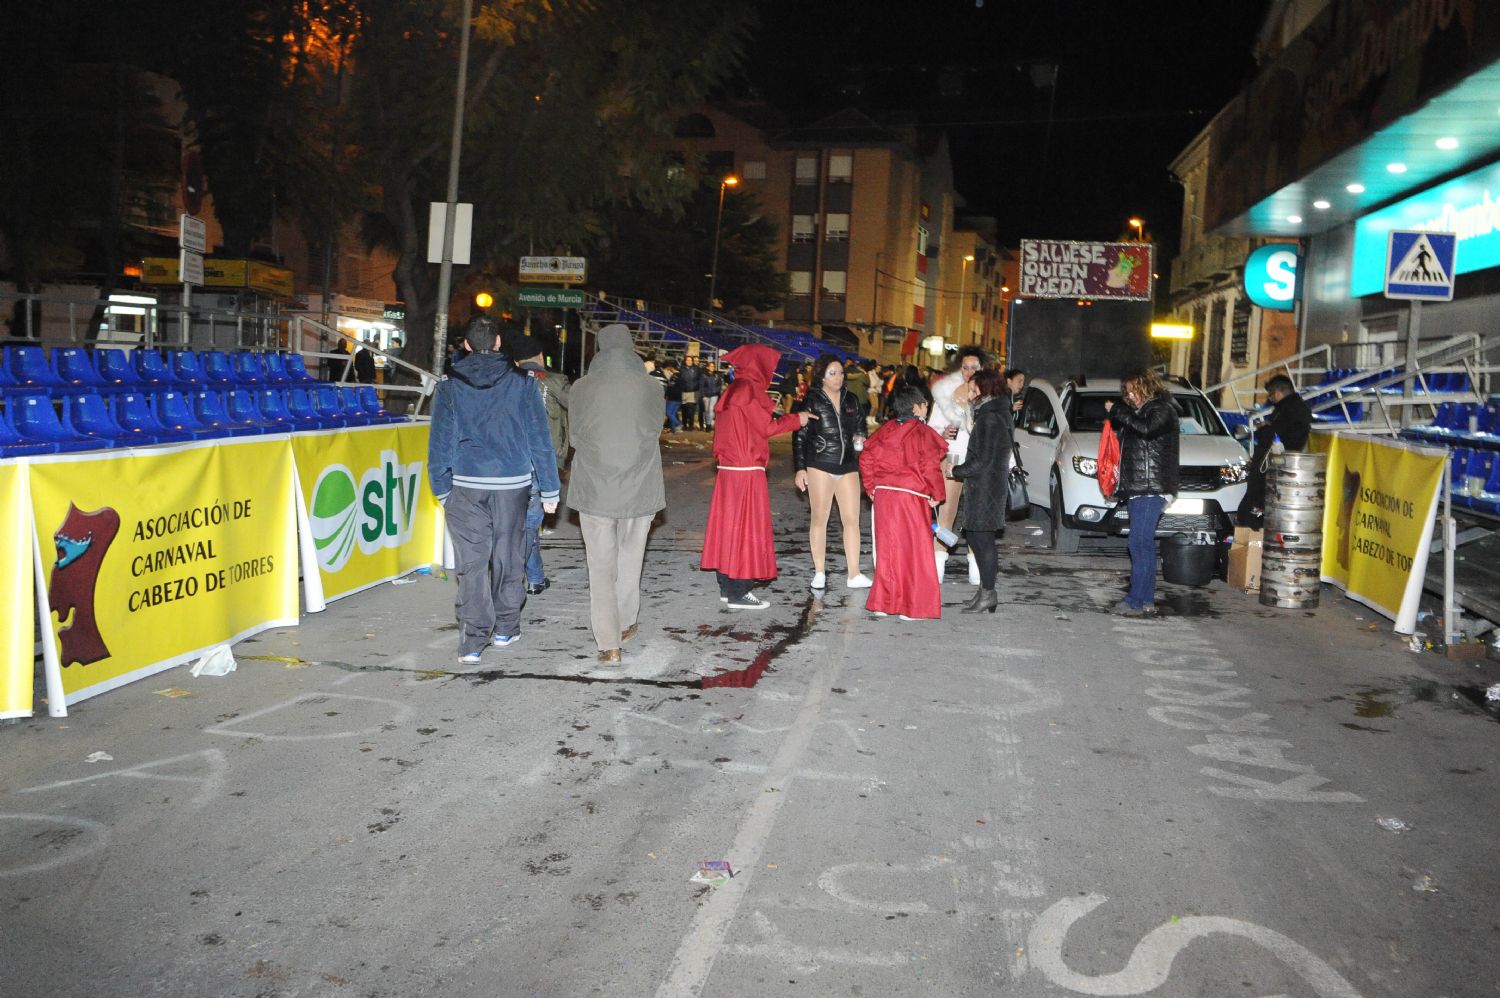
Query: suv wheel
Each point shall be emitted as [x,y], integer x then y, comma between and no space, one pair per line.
[1064,538]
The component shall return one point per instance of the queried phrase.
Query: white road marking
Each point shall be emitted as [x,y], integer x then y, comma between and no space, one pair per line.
[211,783]
[804,958]
[401,715]
[1150,963]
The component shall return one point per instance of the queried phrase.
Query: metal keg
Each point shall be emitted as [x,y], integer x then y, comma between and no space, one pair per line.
[1292,551]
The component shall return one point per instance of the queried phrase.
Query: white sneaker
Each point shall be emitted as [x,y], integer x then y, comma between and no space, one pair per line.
[469,658]
[905,617]
[749,601]
[859,582]
[879,613]
[819,580]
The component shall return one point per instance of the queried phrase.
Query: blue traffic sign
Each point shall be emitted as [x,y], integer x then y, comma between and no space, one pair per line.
[1419,265]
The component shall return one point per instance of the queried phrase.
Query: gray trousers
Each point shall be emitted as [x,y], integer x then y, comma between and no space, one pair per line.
[616,549]
[489,545]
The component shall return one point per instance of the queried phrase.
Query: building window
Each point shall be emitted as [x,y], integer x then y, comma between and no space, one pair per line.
[835,283]
[841,168]
[838,226]
[921,240]
[1239,335]
[918,315]
[804,228]
[801,283]
[807,170]
[755,169]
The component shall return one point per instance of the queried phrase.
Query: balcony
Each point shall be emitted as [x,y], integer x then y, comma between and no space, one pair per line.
[1213,260]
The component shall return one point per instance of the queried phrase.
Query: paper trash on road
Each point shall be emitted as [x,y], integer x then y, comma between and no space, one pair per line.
[1393,825]
[99,757]
[1493,694]
[712,871]
[219,661]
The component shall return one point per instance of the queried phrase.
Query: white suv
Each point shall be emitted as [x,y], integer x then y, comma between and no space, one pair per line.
[1057,434]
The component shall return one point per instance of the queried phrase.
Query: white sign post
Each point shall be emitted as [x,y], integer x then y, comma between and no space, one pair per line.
[1419,266]
[192,240]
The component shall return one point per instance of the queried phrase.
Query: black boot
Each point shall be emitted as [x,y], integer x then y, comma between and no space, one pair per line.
[983,600]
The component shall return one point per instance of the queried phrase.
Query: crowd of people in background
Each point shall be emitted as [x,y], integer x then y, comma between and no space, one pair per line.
[932,451]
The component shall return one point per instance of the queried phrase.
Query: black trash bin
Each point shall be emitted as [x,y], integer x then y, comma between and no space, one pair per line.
[1187,560]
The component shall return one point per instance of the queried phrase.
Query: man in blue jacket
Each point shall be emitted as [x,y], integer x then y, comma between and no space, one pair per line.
[489,439]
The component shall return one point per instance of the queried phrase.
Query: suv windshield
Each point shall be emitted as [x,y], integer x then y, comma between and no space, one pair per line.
[1194,414]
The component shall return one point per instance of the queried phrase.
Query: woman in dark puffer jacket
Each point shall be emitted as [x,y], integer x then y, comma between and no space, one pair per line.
[1147,428]
[825,454]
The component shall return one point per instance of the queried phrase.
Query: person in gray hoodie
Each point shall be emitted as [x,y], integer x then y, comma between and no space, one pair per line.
[488,441]
[614,420]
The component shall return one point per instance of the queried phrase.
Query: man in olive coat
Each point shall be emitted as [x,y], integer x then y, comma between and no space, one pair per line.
[616,485]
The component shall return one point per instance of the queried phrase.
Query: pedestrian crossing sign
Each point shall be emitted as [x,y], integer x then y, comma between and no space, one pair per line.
[1419,265]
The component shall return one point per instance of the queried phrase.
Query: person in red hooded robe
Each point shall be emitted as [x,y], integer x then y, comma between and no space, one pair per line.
[902,469]
[737,543]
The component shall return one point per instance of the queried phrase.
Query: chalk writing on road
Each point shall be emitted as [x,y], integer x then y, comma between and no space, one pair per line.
[1150,963]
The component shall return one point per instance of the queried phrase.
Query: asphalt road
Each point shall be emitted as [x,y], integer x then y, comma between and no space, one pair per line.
[1047,801]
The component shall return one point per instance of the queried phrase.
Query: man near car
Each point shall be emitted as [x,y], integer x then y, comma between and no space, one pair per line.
[488,441]
[1290,422]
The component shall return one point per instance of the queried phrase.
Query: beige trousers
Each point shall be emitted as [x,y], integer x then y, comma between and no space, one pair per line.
[616,550]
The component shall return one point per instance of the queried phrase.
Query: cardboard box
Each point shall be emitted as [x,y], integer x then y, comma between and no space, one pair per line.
[1244,559]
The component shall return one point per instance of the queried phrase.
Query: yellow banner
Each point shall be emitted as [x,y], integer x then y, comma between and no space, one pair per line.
[19,613]
[1377,524]
[155,555]
[369,515]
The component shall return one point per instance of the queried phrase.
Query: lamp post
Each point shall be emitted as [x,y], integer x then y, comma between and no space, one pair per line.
[456,144]
[963,318]
[1139,225]
[713,271]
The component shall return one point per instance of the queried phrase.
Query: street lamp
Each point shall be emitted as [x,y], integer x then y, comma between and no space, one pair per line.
[963,318]
[1139,225]
[713,271]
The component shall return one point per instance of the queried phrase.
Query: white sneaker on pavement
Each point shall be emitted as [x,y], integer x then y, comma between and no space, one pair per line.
[860,581]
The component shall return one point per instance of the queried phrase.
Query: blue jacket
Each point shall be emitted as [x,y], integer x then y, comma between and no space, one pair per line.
[489,431]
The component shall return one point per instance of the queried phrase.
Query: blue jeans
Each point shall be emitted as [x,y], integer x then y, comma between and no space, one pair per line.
[1145,514]
[534,573]
[672,420]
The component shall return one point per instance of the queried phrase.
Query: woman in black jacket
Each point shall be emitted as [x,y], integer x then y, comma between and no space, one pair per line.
[1147,427]
[984,471]
[825,453]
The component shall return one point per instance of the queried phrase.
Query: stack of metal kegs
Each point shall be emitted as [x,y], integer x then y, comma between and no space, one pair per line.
[1292,552]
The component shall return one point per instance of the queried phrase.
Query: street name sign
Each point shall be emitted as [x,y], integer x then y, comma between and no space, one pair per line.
[549,298]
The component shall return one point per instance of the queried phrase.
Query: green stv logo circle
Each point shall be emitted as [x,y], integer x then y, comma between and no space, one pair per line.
[333,517]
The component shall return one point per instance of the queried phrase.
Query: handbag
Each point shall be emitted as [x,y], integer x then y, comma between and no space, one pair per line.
[1107,467]
[1017,503]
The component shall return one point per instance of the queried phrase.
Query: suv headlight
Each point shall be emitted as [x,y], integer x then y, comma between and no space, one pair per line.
[1086,466]
[1233,473]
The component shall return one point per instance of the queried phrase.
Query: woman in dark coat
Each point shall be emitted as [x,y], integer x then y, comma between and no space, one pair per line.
[984,471]
[1147,427]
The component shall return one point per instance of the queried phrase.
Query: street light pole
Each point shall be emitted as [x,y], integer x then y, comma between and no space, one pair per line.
[963,318]
[713,271]
[1139,225]
[445,268]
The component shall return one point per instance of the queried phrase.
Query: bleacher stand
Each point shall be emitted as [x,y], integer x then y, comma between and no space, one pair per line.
[76,399]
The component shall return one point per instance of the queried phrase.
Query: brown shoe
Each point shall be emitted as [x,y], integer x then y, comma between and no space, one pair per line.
[628,633]
[610,656]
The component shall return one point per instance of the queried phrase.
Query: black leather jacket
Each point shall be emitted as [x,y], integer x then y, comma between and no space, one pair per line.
[1148,448]
[827,443]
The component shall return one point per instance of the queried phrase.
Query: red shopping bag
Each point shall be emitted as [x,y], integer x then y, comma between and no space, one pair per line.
[1108,467]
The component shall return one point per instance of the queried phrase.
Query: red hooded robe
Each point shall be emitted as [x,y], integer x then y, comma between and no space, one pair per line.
[900,459]
[738,539]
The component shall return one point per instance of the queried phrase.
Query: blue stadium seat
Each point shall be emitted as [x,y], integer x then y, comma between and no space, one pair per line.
[29,368]
[275,365]
[371,403]
[1488,498]
[154,370]
[175,412]
[273,409]
[218,371]
[351,409]
[209,409]
[1458,468]
[296,370]
[300,403]
[12,444]
[76,368]
[88,416]
[187,365]
[248,369]
[115,368]
[242,408]
[33,418]
[325,399]
[135,414]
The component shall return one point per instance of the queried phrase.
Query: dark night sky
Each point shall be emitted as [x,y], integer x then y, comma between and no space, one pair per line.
[1137,81]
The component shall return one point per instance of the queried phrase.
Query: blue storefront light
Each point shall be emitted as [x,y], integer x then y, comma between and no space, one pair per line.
[1468,206]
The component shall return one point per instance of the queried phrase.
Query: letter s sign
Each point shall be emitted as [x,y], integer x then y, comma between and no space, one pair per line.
[1271,276]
